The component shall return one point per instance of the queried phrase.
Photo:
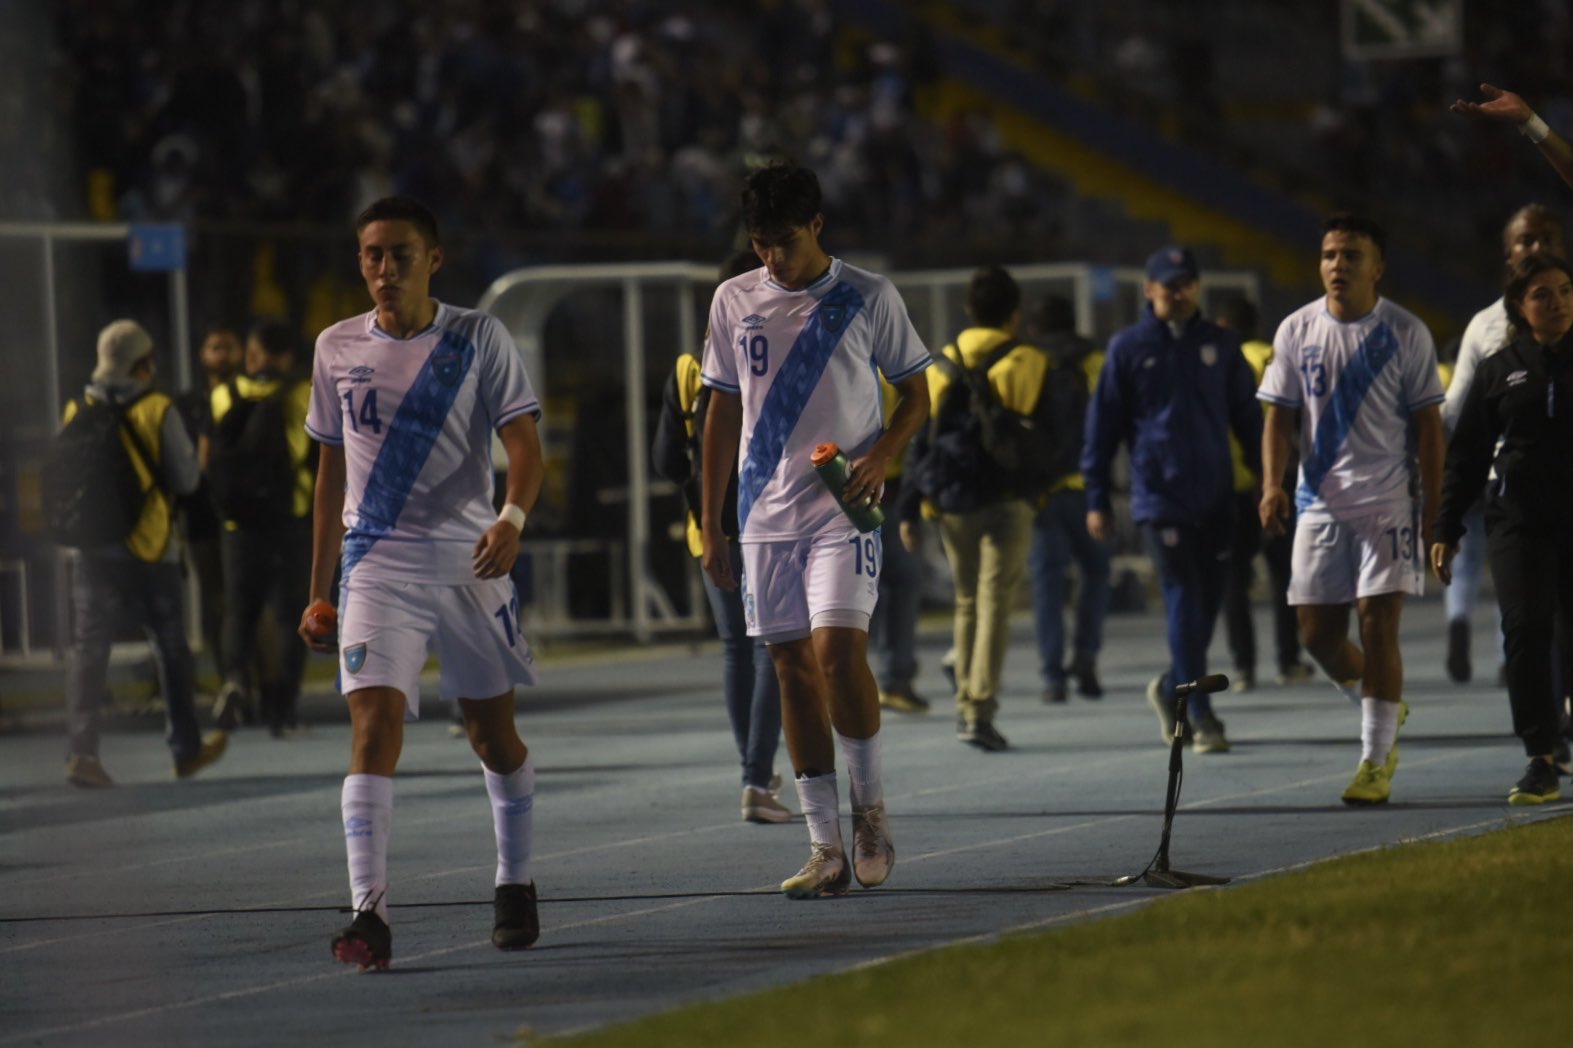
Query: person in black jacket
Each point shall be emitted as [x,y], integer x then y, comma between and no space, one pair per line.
[1522,397]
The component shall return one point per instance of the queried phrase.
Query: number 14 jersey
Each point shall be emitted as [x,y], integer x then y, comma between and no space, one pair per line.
[415,418]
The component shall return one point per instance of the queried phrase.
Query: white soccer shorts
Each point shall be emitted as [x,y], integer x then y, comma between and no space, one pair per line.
[1338,562]
[792,587]
[387,629]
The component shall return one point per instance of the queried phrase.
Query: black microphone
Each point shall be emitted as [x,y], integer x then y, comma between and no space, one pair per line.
[1206,686]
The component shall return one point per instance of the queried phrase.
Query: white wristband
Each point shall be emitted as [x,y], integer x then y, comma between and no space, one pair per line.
[513,515]
[1534,129]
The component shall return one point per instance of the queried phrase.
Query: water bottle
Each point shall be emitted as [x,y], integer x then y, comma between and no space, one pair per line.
[831,465]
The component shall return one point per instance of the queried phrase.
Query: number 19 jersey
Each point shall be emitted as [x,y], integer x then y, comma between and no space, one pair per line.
[806,365]
[1356,384]
[415,418]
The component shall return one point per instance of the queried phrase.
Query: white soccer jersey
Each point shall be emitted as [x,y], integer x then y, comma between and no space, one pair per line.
[1356,385]
[804,363]
[415,418]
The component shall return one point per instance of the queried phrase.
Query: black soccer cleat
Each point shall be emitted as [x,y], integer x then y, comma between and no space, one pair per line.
[515,925]
[365,941]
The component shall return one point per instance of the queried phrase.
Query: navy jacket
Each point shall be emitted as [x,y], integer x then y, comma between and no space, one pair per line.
[1174,401]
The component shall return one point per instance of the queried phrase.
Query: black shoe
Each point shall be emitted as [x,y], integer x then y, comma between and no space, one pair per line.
[366,941]
[1085,669]
[1458,668]
[984,736]
[515,925]
[1538,785]
[1055,692]
[1562,756]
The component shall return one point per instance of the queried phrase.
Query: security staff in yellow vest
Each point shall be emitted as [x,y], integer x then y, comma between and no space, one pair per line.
[1059,534]
[749,684]
[140,578]
[893,629]
[1239,315]
[267,550]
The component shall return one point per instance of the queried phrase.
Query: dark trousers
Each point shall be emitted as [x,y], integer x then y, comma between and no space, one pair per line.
[748,681]
[1533,573]
[207,555]
[105,591]
[1277,550]
[267,569]
[1192,562]
[893,629]
[1059,536]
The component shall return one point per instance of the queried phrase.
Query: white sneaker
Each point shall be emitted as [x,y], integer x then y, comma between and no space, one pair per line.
[762,806]
[873,852]
[826,873]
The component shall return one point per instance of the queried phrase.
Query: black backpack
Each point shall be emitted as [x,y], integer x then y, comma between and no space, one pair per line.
[250,469]
[978,451]
[92,493]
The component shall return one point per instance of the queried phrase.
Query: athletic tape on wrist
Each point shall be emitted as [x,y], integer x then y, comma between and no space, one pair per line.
[1535,129]
[513,515]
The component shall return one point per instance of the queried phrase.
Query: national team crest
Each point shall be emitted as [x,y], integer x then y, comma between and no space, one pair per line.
[355,657]
[833,317]
[1209,354]
[448,366]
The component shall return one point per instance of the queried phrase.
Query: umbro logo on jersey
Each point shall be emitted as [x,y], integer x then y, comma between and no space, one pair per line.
[361,374]
[754,320]
[1518,378]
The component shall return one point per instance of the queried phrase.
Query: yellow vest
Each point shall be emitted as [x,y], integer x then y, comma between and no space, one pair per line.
[297,400]
[1258,354]
[688,386]
[149,540]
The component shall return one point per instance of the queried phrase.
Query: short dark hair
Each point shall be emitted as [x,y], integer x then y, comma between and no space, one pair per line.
[738,263]
[779,197]
[1238,314]
[1357,225]
[992,297]
[400,209]
[277,339]
[1054,315]
[1535,213]
[1518,280]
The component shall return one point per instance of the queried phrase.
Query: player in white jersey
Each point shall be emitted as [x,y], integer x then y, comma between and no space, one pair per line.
[1532,229]
[405,400]
[1361,374]
[791,355]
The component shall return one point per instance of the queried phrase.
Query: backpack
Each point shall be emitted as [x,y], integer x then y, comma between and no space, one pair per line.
[979,451]
[91,491]
[250,468]
[677,450]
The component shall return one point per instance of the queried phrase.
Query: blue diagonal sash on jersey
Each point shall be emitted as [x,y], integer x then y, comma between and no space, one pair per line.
[1355,381]
[789,393]
[411,436]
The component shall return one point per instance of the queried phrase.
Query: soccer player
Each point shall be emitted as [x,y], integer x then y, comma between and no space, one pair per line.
[404,402]
[791,356]
[1361,373]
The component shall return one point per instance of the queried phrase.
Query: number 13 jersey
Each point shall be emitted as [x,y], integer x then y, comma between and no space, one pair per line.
[415,418]
[806,365]
[1355,384]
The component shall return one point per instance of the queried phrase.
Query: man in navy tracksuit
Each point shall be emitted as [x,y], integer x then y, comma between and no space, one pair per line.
[1174,386]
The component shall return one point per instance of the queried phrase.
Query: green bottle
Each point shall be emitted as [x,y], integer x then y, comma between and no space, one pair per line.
[831,465]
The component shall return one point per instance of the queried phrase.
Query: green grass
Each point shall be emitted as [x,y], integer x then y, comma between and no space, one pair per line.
[1437,944]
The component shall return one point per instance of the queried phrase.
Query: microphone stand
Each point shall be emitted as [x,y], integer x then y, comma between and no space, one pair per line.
[1157,873]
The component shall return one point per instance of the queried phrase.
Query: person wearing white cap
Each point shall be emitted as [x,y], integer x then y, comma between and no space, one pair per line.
[137,578]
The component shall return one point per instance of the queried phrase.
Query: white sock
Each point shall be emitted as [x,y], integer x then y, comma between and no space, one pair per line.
[1350,689]
[821,808]
[513,808]
[864,765]
[366,804]
[1378,729]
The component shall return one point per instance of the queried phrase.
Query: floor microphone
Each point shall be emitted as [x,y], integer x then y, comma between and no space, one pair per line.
[1205,686]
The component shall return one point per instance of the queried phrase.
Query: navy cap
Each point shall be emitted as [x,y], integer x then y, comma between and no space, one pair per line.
[1172,263]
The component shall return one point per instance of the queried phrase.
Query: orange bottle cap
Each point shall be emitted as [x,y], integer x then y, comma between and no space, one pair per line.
[823,453]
